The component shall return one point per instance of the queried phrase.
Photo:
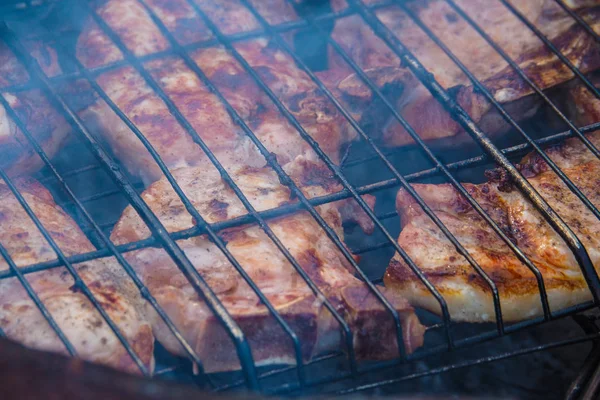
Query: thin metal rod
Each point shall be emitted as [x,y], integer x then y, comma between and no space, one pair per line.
[511,151]
[373,247]
[524,76]
[287,209]
[591,362]
[454,182]
[589,85]
[235,37]
[520,255]
[579,20]
[549,214]
[508,151]
[589,366]
[592,389]
[38,303]
[574,189]
[190,207]
[460,115]
[460,249]
[79,284]
[153,223]
[423,354]
[470,363]
[285,178]
[111,247]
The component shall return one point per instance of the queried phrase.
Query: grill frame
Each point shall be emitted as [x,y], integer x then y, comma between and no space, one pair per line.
[167,241]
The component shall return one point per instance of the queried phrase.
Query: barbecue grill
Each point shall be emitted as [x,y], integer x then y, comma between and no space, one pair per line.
[97,206]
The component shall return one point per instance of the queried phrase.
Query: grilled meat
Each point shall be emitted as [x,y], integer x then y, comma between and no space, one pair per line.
[87,331]
[318,331]
[467,295]
[583,105]
[414,101]
[17,156]
[204,111]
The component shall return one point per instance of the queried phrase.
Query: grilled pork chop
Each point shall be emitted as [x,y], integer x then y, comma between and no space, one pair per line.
[414,101]
[17,156]
[318,331]
[87,331]
[468,296]
[204,111]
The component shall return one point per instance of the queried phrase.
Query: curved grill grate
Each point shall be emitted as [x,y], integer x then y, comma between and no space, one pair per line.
[321,24]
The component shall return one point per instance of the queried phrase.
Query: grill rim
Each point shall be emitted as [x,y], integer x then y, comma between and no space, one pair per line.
[167,240]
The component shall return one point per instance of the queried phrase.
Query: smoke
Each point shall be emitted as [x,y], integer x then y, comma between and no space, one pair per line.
[311,46]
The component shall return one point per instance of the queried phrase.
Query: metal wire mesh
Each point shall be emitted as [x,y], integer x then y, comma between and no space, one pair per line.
[168,241]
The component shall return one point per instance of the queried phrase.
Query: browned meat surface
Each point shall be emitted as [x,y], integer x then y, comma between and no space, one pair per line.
[267,266]
[468,297]
[17,156]
[583,105]
[206,114]
[91,336]
[259,257]
[415,102]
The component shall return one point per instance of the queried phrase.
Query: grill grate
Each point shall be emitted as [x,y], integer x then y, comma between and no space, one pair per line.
[124,186]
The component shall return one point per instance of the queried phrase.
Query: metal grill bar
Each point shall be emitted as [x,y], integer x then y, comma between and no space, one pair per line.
[579,20]
[155,226]
[480,361]
[365,189]
[538,90]
[187,203]
[508,151]
[288,209]
[460,115]
[572,187]
[270,159]
[512,122]
[524,76]
[195,231]
[36,300]
[282,370]
[396,174]
[233,38]
[421,355]
[79,284]
[111,247]
[522,257]
[589,85]
[333,168]
[249,207]
[254,216]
